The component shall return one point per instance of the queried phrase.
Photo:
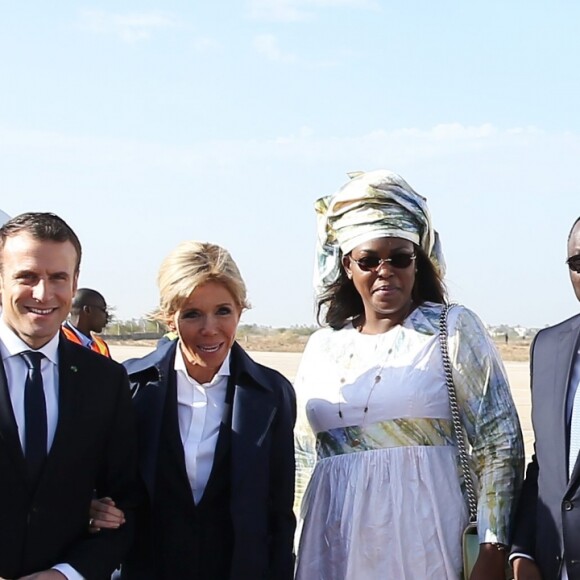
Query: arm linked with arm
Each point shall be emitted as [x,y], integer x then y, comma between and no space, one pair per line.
[97,555]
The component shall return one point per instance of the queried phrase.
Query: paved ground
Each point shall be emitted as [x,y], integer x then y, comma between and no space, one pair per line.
[287,364]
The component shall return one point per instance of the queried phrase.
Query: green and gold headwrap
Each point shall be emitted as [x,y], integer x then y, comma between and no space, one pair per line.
[371,205]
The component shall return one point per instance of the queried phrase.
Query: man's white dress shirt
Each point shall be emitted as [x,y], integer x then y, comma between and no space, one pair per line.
[16,371]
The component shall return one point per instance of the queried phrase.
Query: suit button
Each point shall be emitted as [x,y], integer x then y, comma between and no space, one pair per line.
[568,505]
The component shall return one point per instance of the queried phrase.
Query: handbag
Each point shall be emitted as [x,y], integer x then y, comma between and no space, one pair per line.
[470,540]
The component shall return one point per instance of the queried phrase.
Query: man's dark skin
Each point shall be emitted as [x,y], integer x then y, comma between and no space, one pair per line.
[89,311]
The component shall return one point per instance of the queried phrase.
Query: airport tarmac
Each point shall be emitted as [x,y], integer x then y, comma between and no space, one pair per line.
[287,364]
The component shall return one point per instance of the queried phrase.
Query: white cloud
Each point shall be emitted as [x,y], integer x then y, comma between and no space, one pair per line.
[494,193]
[298,10]
[509,151]
[129,27]
[267,46]
[206,44]
[277,11]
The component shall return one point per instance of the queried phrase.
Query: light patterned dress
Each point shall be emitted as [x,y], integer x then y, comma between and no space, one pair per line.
[384,498]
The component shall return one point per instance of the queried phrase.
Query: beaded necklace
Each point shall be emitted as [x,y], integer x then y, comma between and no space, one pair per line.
[376,380]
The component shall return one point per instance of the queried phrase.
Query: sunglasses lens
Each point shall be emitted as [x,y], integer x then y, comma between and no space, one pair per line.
[574,263]
[401,260]
[368,263]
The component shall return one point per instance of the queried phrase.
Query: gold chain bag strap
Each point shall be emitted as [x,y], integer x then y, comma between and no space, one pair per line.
[470,540]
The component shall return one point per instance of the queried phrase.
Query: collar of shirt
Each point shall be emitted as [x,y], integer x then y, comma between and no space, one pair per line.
[12,345]
[179,366]
[86,341]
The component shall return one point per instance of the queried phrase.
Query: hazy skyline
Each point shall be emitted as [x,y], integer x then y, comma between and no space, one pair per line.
[144,124]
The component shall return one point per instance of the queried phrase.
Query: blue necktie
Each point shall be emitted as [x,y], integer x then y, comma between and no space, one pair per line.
[35,428]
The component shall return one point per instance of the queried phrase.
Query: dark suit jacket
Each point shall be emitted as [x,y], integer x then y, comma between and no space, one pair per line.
[94,448]
[262,460]
[548,518]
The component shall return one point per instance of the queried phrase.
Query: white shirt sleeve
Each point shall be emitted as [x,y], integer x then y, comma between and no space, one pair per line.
[68,571]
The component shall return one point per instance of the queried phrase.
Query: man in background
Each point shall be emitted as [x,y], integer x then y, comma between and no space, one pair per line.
[88,315]
[546,543]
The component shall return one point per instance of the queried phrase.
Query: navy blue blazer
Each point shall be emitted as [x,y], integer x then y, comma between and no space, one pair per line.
[94,451]
[262,456]
[548,517]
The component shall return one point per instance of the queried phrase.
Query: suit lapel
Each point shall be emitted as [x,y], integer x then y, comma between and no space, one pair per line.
[149,404]
[68,395]
[70,377]
[567,349]
[223,444]
[221,449]
[252,416]
[253,412]
[170,433]
[8,428]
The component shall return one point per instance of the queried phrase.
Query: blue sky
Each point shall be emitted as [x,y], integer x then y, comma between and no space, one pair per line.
[147,123]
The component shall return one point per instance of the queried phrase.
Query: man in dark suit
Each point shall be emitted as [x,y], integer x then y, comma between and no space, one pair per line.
[546,543]
[66,425]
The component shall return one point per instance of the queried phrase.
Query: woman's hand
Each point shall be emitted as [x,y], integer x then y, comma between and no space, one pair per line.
[104,514]
[490,564]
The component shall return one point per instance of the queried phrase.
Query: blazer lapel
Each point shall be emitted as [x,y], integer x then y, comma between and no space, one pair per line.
[253,412]
[70,378]
[223,445]
[149,405]
[567,348]
[252,415]
[8,428]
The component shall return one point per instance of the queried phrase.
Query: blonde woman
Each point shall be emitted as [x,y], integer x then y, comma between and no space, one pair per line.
[215,435]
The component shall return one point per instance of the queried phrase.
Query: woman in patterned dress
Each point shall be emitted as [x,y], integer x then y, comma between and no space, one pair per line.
[374,435]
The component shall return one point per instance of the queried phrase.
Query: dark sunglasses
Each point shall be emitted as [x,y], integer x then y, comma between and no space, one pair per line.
[574,263]
[372,263]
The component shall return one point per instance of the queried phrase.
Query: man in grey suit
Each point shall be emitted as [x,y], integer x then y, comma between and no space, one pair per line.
[546,542]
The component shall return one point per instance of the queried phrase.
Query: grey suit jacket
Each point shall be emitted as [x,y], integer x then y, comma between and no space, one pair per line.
[548,518]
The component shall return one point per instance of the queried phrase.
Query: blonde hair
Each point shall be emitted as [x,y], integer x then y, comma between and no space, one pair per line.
[190,265]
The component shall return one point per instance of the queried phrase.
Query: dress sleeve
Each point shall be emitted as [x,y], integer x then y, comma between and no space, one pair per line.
[304,438]
[490,418]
